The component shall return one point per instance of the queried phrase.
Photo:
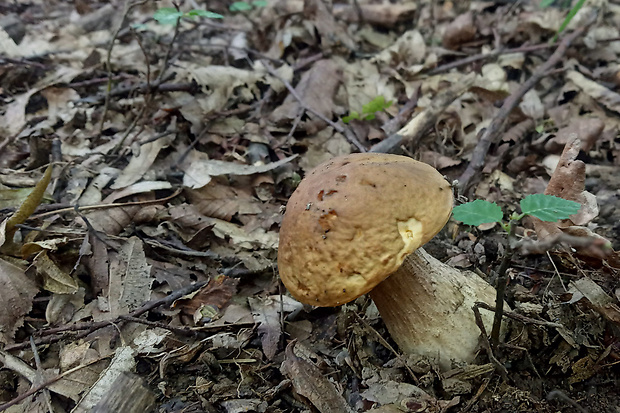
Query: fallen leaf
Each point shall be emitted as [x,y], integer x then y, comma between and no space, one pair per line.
[308,381]
[16,297]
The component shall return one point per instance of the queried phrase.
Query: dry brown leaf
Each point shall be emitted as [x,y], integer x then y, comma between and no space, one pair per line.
[317,89]
[55,279]
[568,182]
[461,30]
[309,382]
[130,278]
[16,297]
[216,294]
[222,201]
[588,130]
[332,32]
[141,161]
[267,314]
[602,95]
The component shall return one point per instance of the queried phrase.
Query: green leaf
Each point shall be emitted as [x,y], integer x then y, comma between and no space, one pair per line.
[259,3]
[352,115]
[167,15]
[240,6]
[546,3]
[548,207]
[376,105]
[204,13]
[478,212]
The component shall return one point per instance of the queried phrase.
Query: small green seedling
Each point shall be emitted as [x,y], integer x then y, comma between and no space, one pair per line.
[170,15]
[245,6]
[378,104]
[544,207]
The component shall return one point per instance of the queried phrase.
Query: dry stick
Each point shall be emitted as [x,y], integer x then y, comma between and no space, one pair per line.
[521,318]
[126,8]
[49,382]
[106,206]
[485,56]
[338,128]
[493,131]
[485,343]
[414,130]
[56,333]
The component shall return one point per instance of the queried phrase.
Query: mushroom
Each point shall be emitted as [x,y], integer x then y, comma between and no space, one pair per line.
[355,225]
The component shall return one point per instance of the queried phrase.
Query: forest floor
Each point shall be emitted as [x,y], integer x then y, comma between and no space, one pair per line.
[139,272]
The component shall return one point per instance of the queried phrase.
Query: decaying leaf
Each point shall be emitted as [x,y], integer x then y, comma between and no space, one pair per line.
[267,314]
[317,89]
[16,296]
[213,298]
[30,204]
[309,382]
[130,278]
[55,280]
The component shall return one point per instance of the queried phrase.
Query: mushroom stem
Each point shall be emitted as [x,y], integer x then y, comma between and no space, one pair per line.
[427,308]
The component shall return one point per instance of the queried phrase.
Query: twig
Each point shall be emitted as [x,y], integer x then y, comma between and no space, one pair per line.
[106,206]
[527,246]
[485,343]
[560,395]
[338,128]
[413,131]
[45,384]
[126,9]
[493,131]
[54,334]
[164,65]
[486,56]
[521,318]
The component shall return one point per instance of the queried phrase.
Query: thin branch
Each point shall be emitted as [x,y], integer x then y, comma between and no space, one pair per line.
[494,130]
[55,334]
[45,384]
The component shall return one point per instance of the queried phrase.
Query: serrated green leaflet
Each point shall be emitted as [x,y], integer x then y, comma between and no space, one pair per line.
[478,212]
[548,207]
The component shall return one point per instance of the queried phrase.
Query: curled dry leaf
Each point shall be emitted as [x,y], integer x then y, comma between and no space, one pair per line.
[568,182]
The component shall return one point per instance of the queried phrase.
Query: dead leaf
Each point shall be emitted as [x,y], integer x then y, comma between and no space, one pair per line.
[317,89]
[267,314]
[308,381]
[461,30]
[130,278]
[16,297]
[55,279]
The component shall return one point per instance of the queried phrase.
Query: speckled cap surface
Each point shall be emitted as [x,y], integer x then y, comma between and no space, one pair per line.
[351,222]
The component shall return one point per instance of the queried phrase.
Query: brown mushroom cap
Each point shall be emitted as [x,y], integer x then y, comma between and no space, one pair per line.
[352,221]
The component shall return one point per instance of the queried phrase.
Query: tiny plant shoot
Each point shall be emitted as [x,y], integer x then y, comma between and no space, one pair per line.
[378,104]
[544,207]
[170,15]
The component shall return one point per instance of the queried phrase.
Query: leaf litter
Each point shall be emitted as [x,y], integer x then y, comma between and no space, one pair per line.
[152,254]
